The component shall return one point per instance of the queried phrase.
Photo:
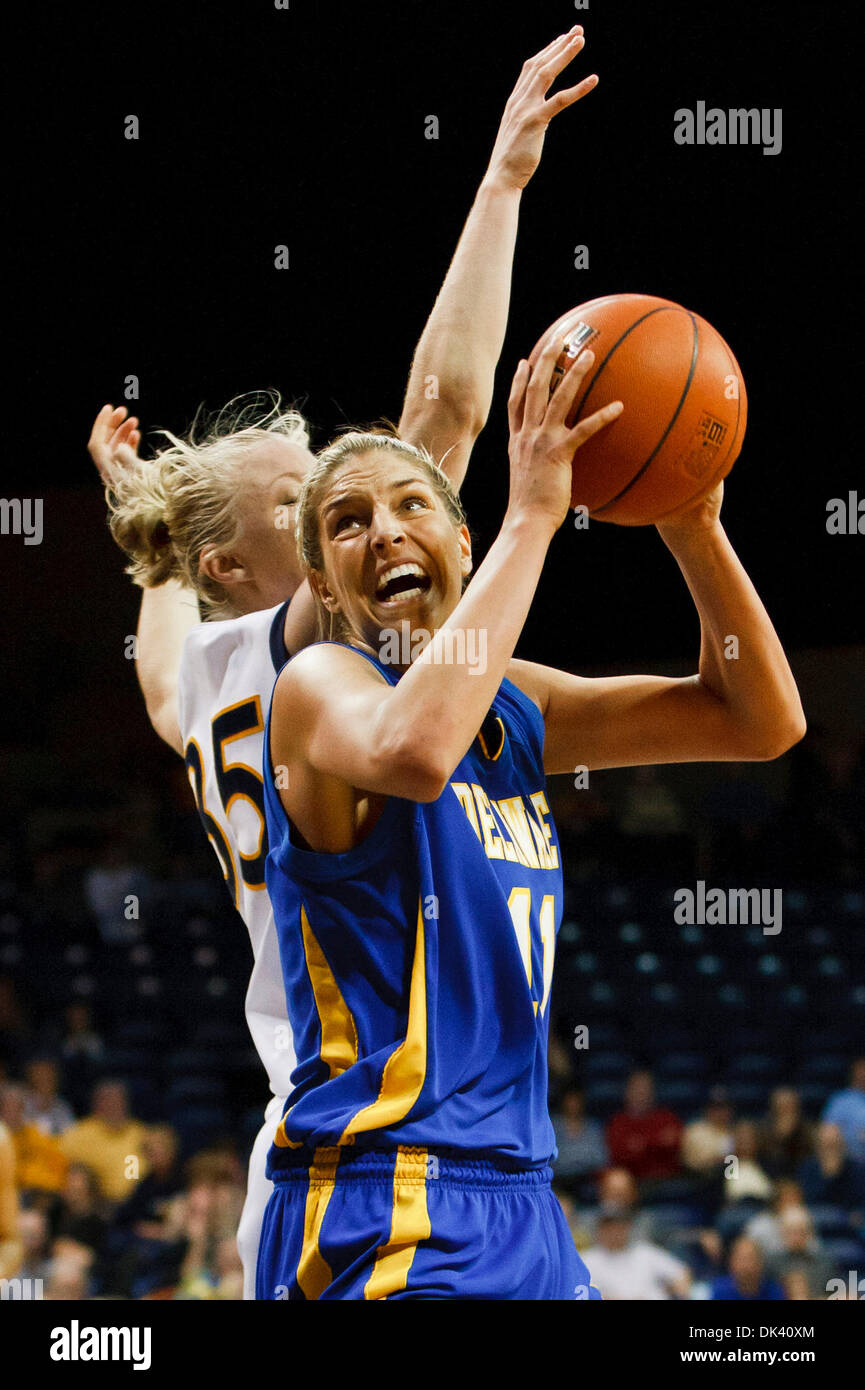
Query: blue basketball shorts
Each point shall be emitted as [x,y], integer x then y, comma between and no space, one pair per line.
[344,1224]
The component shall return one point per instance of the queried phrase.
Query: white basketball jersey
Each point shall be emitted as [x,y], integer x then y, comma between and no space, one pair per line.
[226,678]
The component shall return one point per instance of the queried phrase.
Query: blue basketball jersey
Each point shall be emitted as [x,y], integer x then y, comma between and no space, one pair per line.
[418,964]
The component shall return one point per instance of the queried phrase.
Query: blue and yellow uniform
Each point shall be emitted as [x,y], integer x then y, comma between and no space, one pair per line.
[413,1156]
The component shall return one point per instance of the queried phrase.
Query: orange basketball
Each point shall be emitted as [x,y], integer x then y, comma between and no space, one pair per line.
[685,406]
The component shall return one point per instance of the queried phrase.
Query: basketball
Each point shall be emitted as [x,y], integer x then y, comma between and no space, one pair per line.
[685,406]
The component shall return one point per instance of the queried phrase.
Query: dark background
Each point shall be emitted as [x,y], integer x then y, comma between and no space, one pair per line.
[306,127]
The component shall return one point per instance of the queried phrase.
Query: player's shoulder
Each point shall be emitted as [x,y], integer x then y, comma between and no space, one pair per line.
[314,669]
[227,633]
[528,677]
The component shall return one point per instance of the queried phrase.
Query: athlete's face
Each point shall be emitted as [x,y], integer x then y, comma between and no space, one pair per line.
[392,552]
[271,483]
[262,568]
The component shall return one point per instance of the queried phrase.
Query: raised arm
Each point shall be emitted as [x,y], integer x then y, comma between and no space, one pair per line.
[167,613]
[455,360]
[334,715]
[742,705]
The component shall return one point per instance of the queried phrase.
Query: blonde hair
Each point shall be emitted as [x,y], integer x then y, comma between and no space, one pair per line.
[351,445]
[165,510]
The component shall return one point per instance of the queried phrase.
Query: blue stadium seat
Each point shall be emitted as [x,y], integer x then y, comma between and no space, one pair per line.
[194,1060]
[683,1065]
[813,1095]
[829,1068]
[607,1063]
[732,1220]
[831,1222]
[845,1255]
[217,1033]
[755,1066]
[141,1032]
[603,1098]
[199,1125]
[194,1090]
[672,1218]
[750,1098]
[683,1096]
[123,1062]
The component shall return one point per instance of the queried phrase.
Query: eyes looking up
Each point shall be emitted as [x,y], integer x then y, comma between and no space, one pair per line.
[355,517]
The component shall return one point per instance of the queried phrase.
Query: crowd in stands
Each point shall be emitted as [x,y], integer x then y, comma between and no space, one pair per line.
[129,1095]
[721,1207]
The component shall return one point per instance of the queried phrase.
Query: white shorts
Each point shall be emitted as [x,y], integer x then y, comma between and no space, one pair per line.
[258,1190]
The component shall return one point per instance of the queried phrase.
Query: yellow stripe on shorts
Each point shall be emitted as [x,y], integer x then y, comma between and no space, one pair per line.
[313,1272]
[410,1224]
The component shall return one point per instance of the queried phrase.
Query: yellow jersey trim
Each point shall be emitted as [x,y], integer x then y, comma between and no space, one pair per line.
[313,1272]
[409,1225]
[404,1071]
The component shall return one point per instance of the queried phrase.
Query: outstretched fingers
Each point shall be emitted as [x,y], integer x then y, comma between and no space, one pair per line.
[592,423]
[517,397]
[562,100]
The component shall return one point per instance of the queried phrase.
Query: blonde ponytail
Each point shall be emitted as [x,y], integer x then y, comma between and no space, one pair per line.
[165,510]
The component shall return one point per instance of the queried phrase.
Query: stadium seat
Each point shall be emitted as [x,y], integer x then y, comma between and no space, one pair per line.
[199,1125]
[750,1098]
[828,1068]
[682,1066]
[603,1098]
[609,1063]
[685,1097]
[755,1066]
[831,1221]
[194,1090]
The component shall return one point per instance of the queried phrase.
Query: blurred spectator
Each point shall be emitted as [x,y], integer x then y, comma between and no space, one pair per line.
[146,1245]
[209,1213]
[43,1106]
[11,1248]
[144,1209]
[798,1287]
[786,1137]
[747,1280]
[574,1218]
[40,1165]
[80,1218]
[708,1141]
[765,1227]
[579,1140]
[746,1179]
[830,1176]
[68,1274]
[623,1268]
[229,1270]
[618,1188]
[80,1038]
[81,1051]
[643,1137]
[114,890]
[109,1141]
[801,1251]
[847,1110]
[33,1225]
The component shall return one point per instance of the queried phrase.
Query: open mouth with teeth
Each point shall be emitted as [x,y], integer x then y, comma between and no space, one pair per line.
[401,583]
